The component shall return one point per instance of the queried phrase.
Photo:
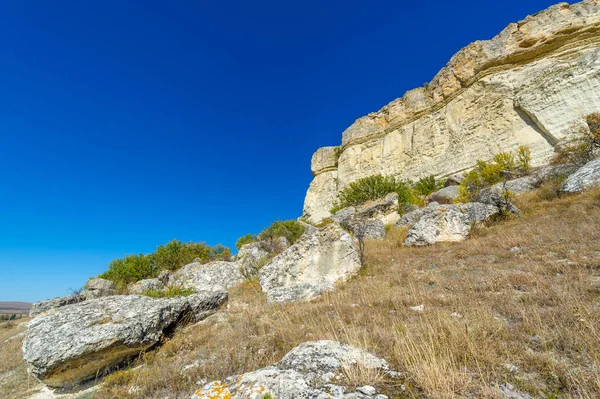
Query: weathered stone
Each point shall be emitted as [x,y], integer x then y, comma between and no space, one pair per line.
[307,371]
[588,176]
[526,86]
[142,286]
[411,218]
[448,223]
[323,159]
[311,266]
[361,227]
[520,185]
[43,306]
[497,199]
[446,195]
[98,288]
[213,276]
[68,345]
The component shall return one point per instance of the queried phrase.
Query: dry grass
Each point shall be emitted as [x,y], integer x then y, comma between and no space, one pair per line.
[14,381]
[491,316]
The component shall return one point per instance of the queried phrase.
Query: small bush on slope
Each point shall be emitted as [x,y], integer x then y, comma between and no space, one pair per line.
[247,239]
[372,188]
[428,185]
[170,256]
[487,174]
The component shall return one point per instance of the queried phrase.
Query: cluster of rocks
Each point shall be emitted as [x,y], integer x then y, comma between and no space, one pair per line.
[311,370]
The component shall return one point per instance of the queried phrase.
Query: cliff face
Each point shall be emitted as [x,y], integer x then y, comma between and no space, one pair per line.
[526,86]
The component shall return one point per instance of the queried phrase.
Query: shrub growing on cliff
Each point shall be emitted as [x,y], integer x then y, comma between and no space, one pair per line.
[247,239]
[290,229]
[583,145]
[374,187]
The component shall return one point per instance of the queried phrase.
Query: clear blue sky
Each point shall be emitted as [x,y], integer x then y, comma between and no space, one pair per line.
[126,124]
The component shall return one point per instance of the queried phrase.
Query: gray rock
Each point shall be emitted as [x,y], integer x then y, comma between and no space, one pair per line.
[142,286]
[164,276]
[307,371]
[550,172]
[250,258]
[44,306]
[446,195]
[508,391]
[491,197]
[98,288]
[360,225]
[213,276]
[448,223]
[311,266]
[367,390]
[588,176]
[410,219]
[521,185]
[72,344]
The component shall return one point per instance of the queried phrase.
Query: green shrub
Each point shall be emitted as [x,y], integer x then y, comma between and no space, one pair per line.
[131,268]
[428,185]
[170,292]
[372,188]
[170,256]
[290,229]
[247,239]
[486,174]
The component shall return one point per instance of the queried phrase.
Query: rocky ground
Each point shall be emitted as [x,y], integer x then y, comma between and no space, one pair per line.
[512,312]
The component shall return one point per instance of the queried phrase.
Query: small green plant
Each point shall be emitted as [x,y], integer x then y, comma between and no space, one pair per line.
[268,396]
[247,239]
[170,292]
[374,187]
[337,151]
[290,229]
[524,159]
[170,256]
[428,185]
[487,174]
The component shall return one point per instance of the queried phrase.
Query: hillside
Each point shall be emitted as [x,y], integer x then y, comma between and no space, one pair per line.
[515,305]
[449,248]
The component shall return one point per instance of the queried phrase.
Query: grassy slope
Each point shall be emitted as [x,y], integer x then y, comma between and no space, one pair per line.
[492,316]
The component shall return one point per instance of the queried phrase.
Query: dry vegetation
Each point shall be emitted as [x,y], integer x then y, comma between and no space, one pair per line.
[14,381]
[529,317]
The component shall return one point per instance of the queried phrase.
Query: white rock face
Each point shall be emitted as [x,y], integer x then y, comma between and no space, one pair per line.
[307,371]
[212,276]
[98,288]
[142,286]
[587,176]
[311,266]
[526,86]
[71,344]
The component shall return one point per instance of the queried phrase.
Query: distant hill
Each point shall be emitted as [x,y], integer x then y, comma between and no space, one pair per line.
[14,307]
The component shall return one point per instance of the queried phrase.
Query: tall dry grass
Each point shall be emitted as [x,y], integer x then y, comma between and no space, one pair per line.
[529,317]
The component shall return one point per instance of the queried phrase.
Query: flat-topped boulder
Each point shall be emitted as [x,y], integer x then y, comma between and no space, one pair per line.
[44,306]
[66,346]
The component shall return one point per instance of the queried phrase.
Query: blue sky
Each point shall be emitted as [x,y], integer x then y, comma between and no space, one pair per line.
[126,124]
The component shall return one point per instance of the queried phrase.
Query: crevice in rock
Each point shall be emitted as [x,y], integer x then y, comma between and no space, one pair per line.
[531,120]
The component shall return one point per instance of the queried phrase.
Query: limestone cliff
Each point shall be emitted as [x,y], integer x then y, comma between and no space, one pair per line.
[526,86]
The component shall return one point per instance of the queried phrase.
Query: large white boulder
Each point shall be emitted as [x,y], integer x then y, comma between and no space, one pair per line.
[447,223]
[71,344]
[311,370]
[311,266]
[212,276]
